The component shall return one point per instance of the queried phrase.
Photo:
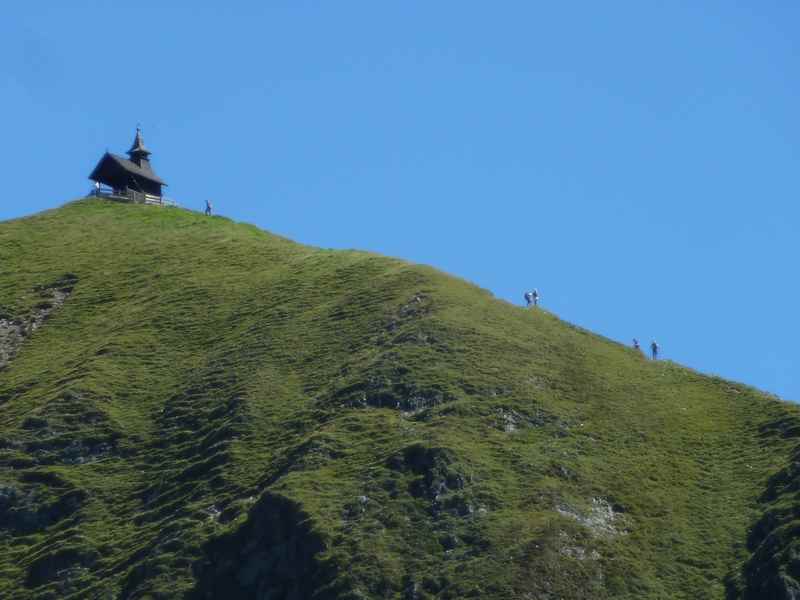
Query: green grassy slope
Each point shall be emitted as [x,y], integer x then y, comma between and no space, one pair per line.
[216,412]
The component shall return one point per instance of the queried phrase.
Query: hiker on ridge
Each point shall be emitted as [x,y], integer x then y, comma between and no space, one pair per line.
[636,345]
[528,299]
[208,208]
[535,296]
[654,349]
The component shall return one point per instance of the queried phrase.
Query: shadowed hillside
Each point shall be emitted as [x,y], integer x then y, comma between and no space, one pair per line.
[194,408]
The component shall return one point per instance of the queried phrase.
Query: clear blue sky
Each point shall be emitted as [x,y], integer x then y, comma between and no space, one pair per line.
[637,162]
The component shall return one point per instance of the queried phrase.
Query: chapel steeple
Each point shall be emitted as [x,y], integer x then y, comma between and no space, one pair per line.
[138,153]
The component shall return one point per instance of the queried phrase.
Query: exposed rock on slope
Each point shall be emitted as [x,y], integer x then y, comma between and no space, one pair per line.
[13,331]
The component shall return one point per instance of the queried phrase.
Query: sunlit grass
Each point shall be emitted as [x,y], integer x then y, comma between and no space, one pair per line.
[199,363]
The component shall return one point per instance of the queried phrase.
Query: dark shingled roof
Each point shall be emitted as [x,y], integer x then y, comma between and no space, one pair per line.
[130,167]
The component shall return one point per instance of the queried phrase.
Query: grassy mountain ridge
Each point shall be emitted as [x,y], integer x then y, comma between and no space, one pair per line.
[196,408]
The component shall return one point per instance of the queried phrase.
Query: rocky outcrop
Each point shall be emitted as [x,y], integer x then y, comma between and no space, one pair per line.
[36,501]
[15,330]
[274,554]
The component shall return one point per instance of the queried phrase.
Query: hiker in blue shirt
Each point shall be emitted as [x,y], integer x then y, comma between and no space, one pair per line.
[654,349]
[208,208]
[532,298]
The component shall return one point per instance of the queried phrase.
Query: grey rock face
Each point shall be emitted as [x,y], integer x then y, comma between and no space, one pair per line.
[14,331]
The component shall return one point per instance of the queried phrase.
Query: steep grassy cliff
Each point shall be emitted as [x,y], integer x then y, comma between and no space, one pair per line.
[194,408]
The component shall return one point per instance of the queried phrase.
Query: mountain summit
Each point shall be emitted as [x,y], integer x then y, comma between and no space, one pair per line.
[194,408]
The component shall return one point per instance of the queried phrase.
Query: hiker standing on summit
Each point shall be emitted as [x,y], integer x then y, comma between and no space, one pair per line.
[208,208]
[532,298]
[654,349]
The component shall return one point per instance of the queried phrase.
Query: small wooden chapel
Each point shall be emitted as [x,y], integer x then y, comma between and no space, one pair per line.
[132,178]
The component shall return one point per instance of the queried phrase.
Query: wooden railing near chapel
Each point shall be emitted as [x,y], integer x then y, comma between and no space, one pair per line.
[130,195]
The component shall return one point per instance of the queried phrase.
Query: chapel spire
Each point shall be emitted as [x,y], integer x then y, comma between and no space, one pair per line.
[138,153]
